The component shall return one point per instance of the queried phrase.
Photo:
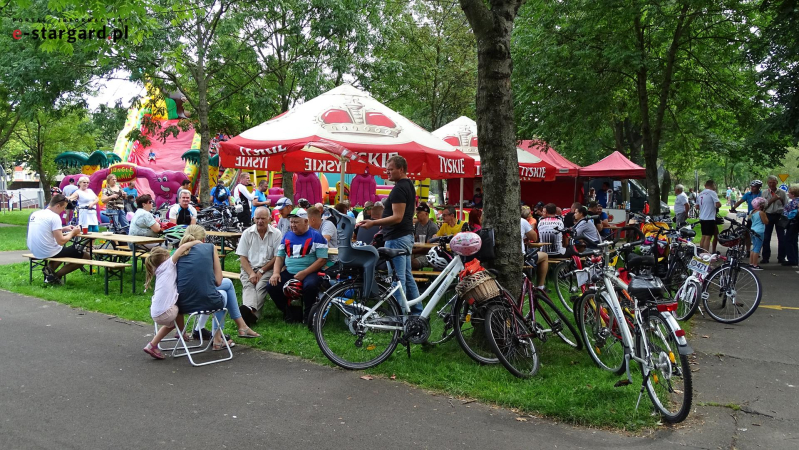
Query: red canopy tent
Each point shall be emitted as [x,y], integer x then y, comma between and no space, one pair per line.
[614,165]
[563,167]
[314,137]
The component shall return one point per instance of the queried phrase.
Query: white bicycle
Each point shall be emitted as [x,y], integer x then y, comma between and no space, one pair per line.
[621,322]
[359,322]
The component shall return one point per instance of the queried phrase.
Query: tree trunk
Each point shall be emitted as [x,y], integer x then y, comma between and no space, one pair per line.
[497,130]
[665,188]
[204,194]
[287,184]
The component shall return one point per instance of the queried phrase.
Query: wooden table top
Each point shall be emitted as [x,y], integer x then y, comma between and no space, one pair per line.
[537,244]
[123,238]
[225,234]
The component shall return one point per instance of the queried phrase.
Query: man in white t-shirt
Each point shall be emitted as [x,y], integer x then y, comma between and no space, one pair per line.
[680,205]
[183,213]
[46,239]
[547,231]
[708,202]
[242,196]
[257,248]
[540,259]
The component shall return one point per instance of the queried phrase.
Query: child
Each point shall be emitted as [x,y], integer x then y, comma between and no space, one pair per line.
[759,220]
[164,310]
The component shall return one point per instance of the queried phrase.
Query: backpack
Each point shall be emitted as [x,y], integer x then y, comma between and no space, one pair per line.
[221,194]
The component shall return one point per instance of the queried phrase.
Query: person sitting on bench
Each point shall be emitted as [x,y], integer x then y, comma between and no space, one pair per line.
[46,239]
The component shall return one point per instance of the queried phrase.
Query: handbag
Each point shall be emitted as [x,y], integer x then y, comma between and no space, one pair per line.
[783,222]
[486,252]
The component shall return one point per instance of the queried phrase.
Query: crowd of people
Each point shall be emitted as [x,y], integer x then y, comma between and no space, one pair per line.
[770,211]
[281,257]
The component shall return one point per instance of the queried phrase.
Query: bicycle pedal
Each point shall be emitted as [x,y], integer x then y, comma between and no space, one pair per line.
[621,383]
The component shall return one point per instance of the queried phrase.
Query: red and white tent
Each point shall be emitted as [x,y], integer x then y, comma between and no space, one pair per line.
[541,149]
[462,134]
[344,124]
[614,165]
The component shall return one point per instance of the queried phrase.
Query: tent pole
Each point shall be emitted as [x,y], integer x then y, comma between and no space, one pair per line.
[461,200]
[343,170]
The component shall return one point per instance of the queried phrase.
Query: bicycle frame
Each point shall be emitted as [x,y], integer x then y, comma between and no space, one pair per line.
[438,287]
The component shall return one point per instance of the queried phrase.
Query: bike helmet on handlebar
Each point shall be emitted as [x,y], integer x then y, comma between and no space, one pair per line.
[466,243]
[438,258]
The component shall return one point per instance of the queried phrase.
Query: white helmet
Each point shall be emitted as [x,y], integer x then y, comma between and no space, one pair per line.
[438,258]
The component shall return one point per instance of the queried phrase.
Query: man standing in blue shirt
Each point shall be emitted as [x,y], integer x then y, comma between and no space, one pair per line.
[259,196]
[754,192]
[219,194]
[301,254]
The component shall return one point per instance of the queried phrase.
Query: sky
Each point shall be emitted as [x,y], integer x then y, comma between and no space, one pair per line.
[111,90]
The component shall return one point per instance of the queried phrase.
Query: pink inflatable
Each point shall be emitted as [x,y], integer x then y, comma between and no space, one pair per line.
[362,190]
[307,186]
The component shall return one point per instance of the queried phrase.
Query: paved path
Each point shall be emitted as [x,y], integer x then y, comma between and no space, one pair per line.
[72,379]
[13,257]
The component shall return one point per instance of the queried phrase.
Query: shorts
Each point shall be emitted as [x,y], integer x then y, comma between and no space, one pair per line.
[68,252]
[422,260]
[531,260]
[167,318]
[680,218]
[757,242]
[709,227]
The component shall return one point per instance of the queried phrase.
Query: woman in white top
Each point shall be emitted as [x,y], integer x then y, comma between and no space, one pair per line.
[88,199]
[243,196]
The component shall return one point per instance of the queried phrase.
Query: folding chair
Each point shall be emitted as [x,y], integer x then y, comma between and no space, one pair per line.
[199,348]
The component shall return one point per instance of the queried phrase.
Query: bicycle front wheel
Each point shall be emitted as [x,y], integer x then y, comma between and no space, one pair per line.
[469,330]
[566,284]
[512,341]
[600,332]
[688,299]
[669,384]
[347,326]
[732,293]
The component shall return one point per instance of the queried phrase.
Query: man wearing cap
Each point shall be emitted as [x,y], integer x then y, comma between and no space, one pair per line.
[397,223]
[423,228]
[284,206]
[257,249]
[300,255]
[366,212]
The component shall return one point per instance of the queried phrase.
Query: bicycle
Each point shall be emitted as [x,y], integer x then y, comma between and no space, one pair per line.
[358,323]
[510,329]
[567,285]
[732,292]
[692,290]
[645,330]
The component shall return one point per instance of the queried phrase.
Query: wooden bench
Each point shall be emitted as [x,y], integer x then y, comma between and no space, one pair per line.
[120,253]
[114,270]
[425,273]
[231,275]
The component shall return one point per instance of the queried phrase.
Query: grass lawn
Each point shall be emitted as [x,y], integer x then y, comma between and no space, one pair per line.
[13,237]
[569,387]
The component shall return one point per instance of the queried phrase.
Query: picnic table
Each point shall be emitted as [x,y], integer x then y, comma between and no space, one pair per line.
[223,249]
[416,246]
[136,245]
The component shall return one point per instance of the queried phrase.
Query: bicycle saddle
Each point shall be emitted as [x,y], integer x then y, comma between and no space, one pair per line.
[365,256]
[391,252]
[638,262]
[686,233]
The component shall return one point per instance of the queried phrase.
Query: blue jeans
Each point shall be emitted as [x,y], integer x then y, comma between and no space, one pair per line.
[772,227]
[120,217]
[231,302]
[402,265]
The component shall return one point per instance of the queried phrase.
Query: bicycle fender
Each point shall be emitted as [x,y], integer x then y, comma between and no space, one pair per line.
[682,343]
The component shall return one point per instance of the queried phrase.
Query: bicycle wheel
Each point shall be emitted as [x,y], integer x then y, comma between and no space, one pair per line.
[669,383]
[687,300]
[556,321]
[732,293]
[511,340]
[566,284]
[469,331]
[346,337]
[600,332]
[444,329]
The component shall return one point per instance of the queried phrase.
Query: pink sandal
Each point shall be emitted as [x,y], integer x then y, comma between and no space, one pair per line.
[153,351]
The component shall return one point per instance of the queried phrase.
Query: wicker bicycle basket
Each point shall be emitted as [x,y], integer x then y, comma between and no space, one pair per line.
[480,286]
